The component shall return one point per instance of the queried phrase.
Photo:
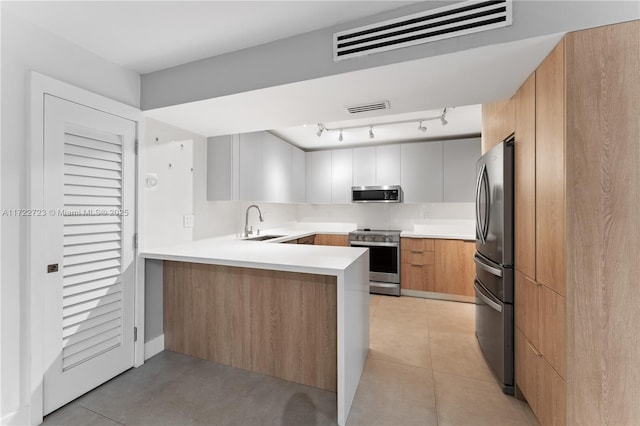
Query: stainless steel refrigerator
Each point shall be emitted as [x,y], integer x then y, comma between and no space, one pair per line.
[494,284]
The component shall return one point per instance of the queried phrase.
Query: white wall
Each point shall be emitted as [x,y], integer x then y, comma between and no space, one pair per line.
[25,48]
[169,155]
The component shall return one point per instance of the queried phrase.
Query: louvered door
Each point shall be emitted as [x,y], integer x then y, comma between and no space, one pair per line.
[89,186]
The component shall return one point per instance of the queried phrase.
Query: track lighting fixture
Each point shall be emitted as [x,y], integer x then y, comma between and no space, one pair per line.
[421,127]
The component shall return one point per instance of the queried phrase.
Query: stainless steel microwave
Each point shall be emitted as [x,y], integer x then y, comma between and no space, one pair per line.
[376,194]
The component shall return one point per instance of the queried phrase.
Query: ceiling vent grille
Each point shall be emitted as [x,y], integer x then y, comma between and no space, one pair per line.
[437,24]
[374,106]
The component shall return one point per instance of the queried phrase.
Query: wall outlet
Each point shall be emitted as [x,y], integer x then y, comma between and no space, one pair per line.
[187,221]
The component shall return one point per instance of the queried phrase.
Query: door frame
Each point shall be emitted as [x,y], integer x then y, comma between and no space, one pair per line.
[39,86]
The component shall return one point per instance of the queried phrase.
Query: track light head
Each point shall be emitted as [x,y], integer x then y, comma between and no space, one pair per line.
[371,135]
[340,137]
[421,127]
[443,120]
[320,130]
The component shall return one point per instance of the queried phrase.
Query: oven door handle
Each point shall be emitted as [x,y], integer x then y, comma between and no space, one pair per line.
[372,244]
[480,293]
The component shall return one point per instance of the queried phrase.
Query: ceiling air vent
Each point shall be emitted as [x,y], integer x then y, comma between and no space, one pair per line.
[424,27]
[374,106]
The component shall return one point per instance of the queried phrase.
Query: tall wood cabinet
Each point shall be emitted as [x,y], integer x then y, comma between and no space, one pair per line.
[577,162]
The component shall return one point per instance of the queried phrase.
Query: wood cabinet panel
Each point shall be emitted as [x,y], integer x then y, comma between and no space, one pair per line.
[277,323]
[527,307]
[417,244]
[550,145]
[454,267]
[416,277]
[552,396]
[527,364]
[417,257]
[525,178]
[307,240]
[331,240]
[552,328]
[498,122]
[603,201]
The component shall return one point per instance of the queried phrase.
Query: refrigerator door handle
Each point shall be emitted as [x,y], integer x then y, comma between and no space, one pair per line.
[479,227]
[487,207]
[477,286]
[490,269]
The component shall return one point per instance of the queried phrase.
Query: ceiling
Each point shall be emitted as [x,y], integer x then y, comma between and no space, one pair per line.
[469,77]
[462,121]
[147,36]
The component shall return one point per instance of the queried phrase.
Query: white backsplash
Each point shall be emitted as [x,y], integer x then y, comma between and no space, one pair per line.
[386,216]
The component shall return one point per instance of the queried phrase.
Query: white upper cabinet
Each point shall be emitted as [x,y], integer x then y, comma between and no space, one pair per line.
[421,172]
[341,175]
[276,169]
[388,165]
[364,166]
[460,157]
[298,175]
[319,177]
[251,166]
[219,168]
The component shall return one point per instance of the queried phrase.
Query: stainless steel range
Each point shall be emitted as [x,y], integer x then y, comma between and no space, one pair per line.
[384,258]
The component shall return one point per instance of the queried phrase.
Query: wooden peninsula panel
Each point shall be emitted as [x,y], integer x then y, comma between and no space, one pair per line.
[278,323]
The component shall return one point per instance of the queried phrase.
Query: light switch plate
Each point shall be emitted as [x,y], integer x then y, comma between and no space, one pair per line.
[187,221]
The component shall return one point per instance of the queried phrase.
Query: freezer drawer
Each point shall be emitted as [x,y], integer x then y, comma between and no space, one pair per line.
[497,279]
[494,330]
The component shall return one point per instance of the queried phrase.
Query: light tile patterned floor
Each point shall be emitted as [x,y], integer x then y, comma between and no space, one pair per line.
[424,368]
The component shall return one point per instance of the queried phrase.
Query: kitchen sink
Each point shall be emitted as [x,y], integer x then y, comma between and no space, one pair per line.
[264,237]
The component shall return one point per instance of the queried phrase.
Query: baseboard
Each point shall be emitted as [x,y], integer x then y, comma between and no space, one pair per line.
[21,417]
[438,296]
[153,347]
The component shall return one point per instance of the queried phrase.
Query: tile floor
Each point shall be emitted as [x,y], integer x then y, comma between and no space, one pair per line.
[424,368]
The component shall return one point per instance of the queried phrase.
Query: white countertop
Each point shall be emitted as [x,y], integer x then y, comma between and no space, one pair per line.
[230,251]
[329,260]
[443,229]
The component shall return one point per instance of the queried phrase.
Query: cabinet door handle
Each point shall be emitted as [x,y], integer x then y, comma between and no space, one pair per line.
[535,352]
[417,251]
[416,264]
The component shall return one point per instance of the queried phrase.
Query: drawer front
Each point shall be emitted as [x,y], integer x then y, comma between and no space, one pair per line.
[415,257]
[416,244]
[416,277]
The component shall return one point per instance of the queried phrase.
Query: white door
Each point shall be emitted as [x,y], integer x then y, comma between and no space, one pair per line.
[89,183]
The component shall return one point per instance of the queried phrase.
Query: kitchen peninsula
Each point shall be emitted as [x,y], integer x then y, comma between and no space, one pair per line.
[299,312]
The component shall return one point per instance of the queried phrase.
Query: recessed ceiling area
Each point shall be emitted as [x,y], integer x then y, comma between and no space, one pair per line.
[460,79]
[147,36]
[461,122]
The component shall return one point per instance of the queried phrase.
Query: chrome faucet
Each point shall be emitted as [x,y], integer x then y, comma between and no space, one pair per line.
[248,231]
